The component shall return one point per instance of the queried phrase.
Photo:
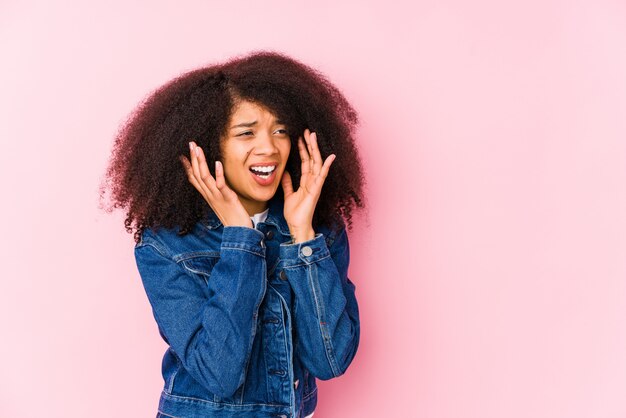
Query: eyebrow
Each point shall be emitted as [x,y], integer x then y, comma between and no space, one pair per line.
[244,125]
[249,124]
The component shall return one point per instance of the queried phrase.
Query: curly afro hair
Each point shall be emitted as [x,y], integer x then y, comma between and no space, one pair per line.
[145,175]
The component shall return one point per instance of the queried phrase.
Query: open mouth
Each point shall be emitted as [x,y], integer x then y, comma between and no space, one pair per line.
[263,172]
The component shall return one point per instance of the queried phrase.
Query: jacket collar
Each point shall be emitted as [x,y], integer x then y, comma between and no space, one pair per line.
[274,217]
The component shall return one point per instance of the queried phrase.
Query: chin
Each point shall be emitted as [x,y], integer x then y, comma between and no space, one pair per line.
[264,196]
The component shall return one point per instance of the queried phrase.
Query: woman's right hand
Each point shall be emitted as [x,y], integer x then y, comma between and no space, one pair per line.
[222,199]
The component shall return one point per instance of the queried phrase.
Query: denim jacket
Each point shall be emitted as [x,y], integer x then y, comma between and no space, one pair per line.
[251,318]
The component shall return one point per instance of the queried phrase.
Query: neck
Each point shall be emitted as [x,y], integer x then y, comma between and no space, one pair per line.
[254,207]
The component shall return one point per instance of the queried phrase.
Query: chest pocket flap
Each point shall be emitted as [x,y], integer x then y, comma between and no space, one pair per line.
[200,263]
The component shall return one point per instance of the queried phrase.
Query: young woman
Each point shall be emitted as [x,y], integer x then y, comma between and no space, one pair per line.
[239,179]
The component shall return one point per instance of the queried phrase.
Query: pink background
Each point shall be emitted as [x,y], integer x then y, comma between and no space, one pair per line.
[491,272]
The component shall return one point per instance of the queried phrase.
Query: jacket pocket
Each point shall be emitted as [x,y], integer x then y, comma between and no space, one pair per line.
[200,264]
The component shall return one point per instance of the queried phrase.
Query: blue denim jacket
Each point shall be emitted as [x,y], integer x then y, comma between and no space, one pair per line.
[251,319]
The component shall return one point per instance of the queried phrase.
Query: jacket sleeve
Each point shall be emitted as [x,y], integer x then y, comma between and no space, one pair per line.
[326,314]
[212,336]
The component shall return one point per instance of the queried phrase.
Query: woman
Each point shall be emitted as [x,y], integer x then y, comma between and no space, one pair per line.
[239,179]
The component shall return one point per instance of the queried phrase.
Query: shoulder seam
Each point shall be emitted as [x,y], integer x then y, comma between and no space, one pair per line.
[156,248]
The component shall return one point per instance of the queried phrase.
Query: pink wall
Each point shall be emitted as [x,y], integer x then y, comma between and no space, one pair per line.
[492,274]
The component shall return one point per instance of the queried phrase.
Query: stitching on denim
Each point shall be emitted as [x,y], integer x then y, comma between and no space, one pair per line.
[222,404]
[288,266]
[255,315]
[282,231]
[243,242]
[171,385]
[204,274]
[276,222]
[287,333]
[238,233]
[156,248]
[245,374]
[243,249]
[284,311]
[313,260]
[156,241]
[321,315]
[291,242]
[310,394]
[193,270]
[166,415]
[211,226]
[267,377]
[196,254]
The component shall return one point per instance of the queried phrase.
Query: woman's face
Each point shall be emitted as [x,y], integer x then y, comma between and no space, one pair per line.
[255,149]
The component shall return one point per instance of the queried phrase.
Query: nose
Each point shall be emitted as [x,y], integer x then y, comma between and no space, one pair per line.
[264,144]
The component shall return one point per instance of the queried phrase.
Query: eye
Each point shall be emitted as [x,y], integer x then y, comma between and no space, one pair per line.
[281,131]
[246,133]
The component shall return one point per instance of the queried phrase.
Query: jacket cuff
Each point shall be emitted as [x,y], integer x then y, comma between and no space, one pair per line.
[305,252]
[243,238]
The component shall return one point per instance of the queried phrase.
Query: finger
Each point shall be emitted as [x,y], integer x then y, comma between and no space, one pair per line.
[220,182]
[201,170]
[219,175]
[318,181]
[286,183]
[195,171]
[305,166]
[316,157]
[307,138]
[326,167]
[190,176]
[185,162]
[310,148]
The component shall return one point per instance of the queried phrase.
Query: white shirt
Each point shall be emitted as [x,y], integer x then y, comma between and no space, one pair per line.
[260,217]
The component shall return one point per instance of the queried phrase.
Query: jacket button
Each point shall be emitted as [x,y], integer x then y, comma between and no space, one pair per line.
[269,234]
[282,275]
[307,251]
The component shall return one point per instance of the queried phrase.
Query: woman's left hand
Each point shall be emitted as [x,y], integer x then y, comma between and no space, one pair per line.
[300,205]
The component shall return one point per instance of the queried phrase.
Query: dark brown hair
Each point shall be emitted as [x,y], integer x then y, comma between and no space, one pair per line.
[146,177]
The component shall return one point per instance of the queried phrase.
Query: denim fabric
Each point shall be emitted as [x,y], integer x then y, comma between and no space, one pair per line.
[251,319]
